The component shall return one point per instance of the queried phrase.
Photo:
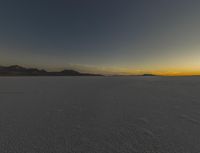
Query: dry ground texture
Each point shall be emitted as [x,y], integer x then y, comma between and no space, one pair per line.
[100,114]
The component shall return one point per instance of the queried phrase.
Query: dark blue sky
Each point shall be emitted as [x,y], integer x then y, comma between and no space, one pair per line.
[101,35]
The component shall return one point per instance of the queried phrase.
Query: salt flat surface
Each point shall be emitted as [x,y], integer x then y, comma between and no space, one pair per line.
[100,115]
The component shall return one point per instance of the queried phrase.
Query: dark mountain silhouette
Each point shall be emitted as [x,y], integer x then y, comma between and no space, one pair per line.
[149,75]
[16,70]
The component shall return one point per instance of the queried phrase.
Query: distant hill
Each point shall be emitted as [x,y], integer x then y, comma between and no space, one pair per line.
[149,75]
[16,70]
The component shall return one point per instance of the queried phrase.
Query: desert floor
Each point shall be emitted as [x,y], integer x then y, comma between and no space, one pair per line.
[100,114]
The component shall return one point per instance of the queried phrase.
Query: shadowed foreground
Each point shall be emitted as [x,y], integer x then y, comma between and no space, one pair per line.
[100,115]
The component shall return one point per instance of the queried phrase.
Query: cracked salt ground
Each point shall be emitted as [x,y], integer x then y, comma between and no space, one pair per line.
[100,115]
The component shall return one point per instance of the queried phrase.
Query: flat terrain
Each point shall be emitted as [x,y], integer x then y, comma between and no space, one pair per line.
[100,114]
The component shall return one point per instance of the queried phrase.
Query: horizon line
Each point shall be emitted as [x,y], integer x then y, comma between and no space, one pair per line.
[155,73]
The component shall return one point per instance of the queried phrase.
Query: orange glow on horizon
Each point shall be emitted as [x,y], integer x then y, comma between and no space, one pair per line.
[170,72]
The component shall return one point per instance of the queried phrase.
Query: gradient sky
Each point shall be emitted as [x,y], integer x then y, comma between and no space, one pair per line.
[105,36]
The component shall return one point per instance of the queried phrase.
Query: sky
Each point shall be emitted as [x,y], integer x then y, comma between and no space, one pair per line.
[102,36]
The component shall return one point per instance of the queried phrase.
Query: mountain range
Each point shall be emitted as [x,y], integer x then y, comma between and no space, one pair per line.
[16,70]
